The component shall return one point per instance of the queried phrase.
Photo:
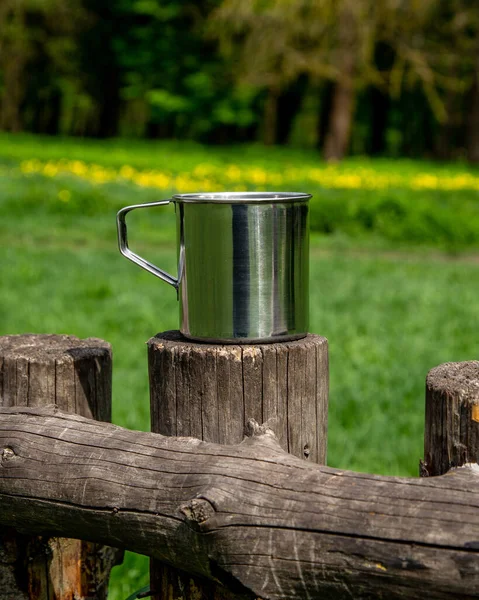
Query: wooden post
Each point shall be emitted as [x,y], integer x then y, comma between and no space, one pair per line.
[452,417]
[210,392]
[75,376]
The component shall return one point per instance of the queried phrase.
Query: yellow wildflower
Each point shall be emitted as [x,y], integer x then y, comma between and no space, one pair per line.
[203,169]
[127,172]
[233,172]
[77,167]
[50,170]
[211,177]
[64,195]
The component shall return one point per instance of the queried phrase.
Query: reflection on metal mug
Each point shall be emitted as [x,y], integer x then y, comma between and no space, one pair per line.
[243,265]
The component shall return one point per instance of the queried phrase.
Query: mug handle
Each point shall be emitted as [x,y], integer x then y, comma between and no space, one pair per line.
[123,243]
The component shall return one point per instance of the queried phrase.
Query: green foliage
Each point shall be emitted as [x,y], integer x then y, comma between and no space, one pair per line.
[172,79]
[445,219]
[223,71]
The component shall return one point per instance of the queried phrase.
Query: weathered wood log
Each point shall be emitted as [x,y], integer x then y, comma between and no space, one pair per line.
[209,391]
[249,516]
[452,417]
[75,376]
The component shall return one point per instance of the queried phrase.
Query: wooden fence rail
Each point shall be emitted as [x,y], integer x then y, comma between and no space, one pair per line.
[250,517]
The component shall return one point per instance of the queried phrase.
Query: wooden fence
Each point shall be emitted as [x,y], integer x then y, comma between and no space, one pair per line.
[224,515]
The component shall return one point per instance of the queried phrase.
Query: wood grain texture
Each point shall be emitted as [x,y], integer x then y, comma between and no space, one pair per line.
[75,376]
[249,516]
[12,546]
[452,417]
[210,391]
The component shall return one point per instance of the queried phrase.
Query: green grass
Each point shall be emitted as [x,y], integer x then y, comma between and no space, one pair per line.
[180,155]
[389,315]
[388,203]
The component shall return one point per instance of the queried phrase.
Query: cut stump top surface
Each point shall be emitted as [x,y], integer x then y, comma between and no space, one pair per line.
[175,339]
[456,379]
[32,346]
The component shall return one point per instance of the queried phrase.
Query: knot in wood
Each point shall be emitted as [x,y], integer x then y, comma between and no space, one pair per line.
[197,512]
[254,429]
[423,468]
[7,454]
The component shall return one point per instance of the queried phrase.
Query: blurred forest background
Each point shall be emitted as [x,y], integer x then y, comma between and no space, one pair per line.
[375,77]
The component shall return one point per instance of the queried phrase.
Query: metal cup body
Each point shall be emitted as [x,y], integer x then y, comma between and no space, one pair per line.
[243,266]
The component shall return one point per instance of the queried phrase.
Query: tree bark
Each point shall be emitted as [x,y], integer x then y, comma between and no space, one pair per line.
[74,375]
[14,53]
[452,417]
[270,123]
[249,516]
[473,112]
[380,100]
[325,103]
[210,391]
[343,99]
[447,139]
[288,106]
[337,139]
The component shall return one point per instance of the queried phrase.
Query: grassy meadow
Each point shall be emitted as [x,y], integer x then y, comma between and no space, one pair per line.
[394,272]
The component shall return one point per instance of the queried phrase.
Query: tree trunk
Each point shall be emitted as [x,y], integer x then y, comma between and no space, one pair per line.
[379,119]
[473,121]
[337,139]
[109,100]
[54,113]
[13,58]
[325,103]
[289,104]
[103,73]
[270,120]
[380,100]
[344,94]
[250,516]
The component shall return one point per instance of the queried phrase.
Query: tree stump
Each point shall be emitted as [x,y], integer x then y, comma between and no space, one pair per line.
[452,417]
[75,376]
[210,391]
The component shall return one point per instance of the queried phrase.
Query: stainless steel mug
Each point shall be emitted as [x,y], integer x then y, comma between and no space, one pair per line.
[243,265]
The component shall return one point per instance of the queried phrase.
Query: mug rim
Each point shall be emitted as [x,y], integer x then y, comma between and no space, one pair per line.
[241,197]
